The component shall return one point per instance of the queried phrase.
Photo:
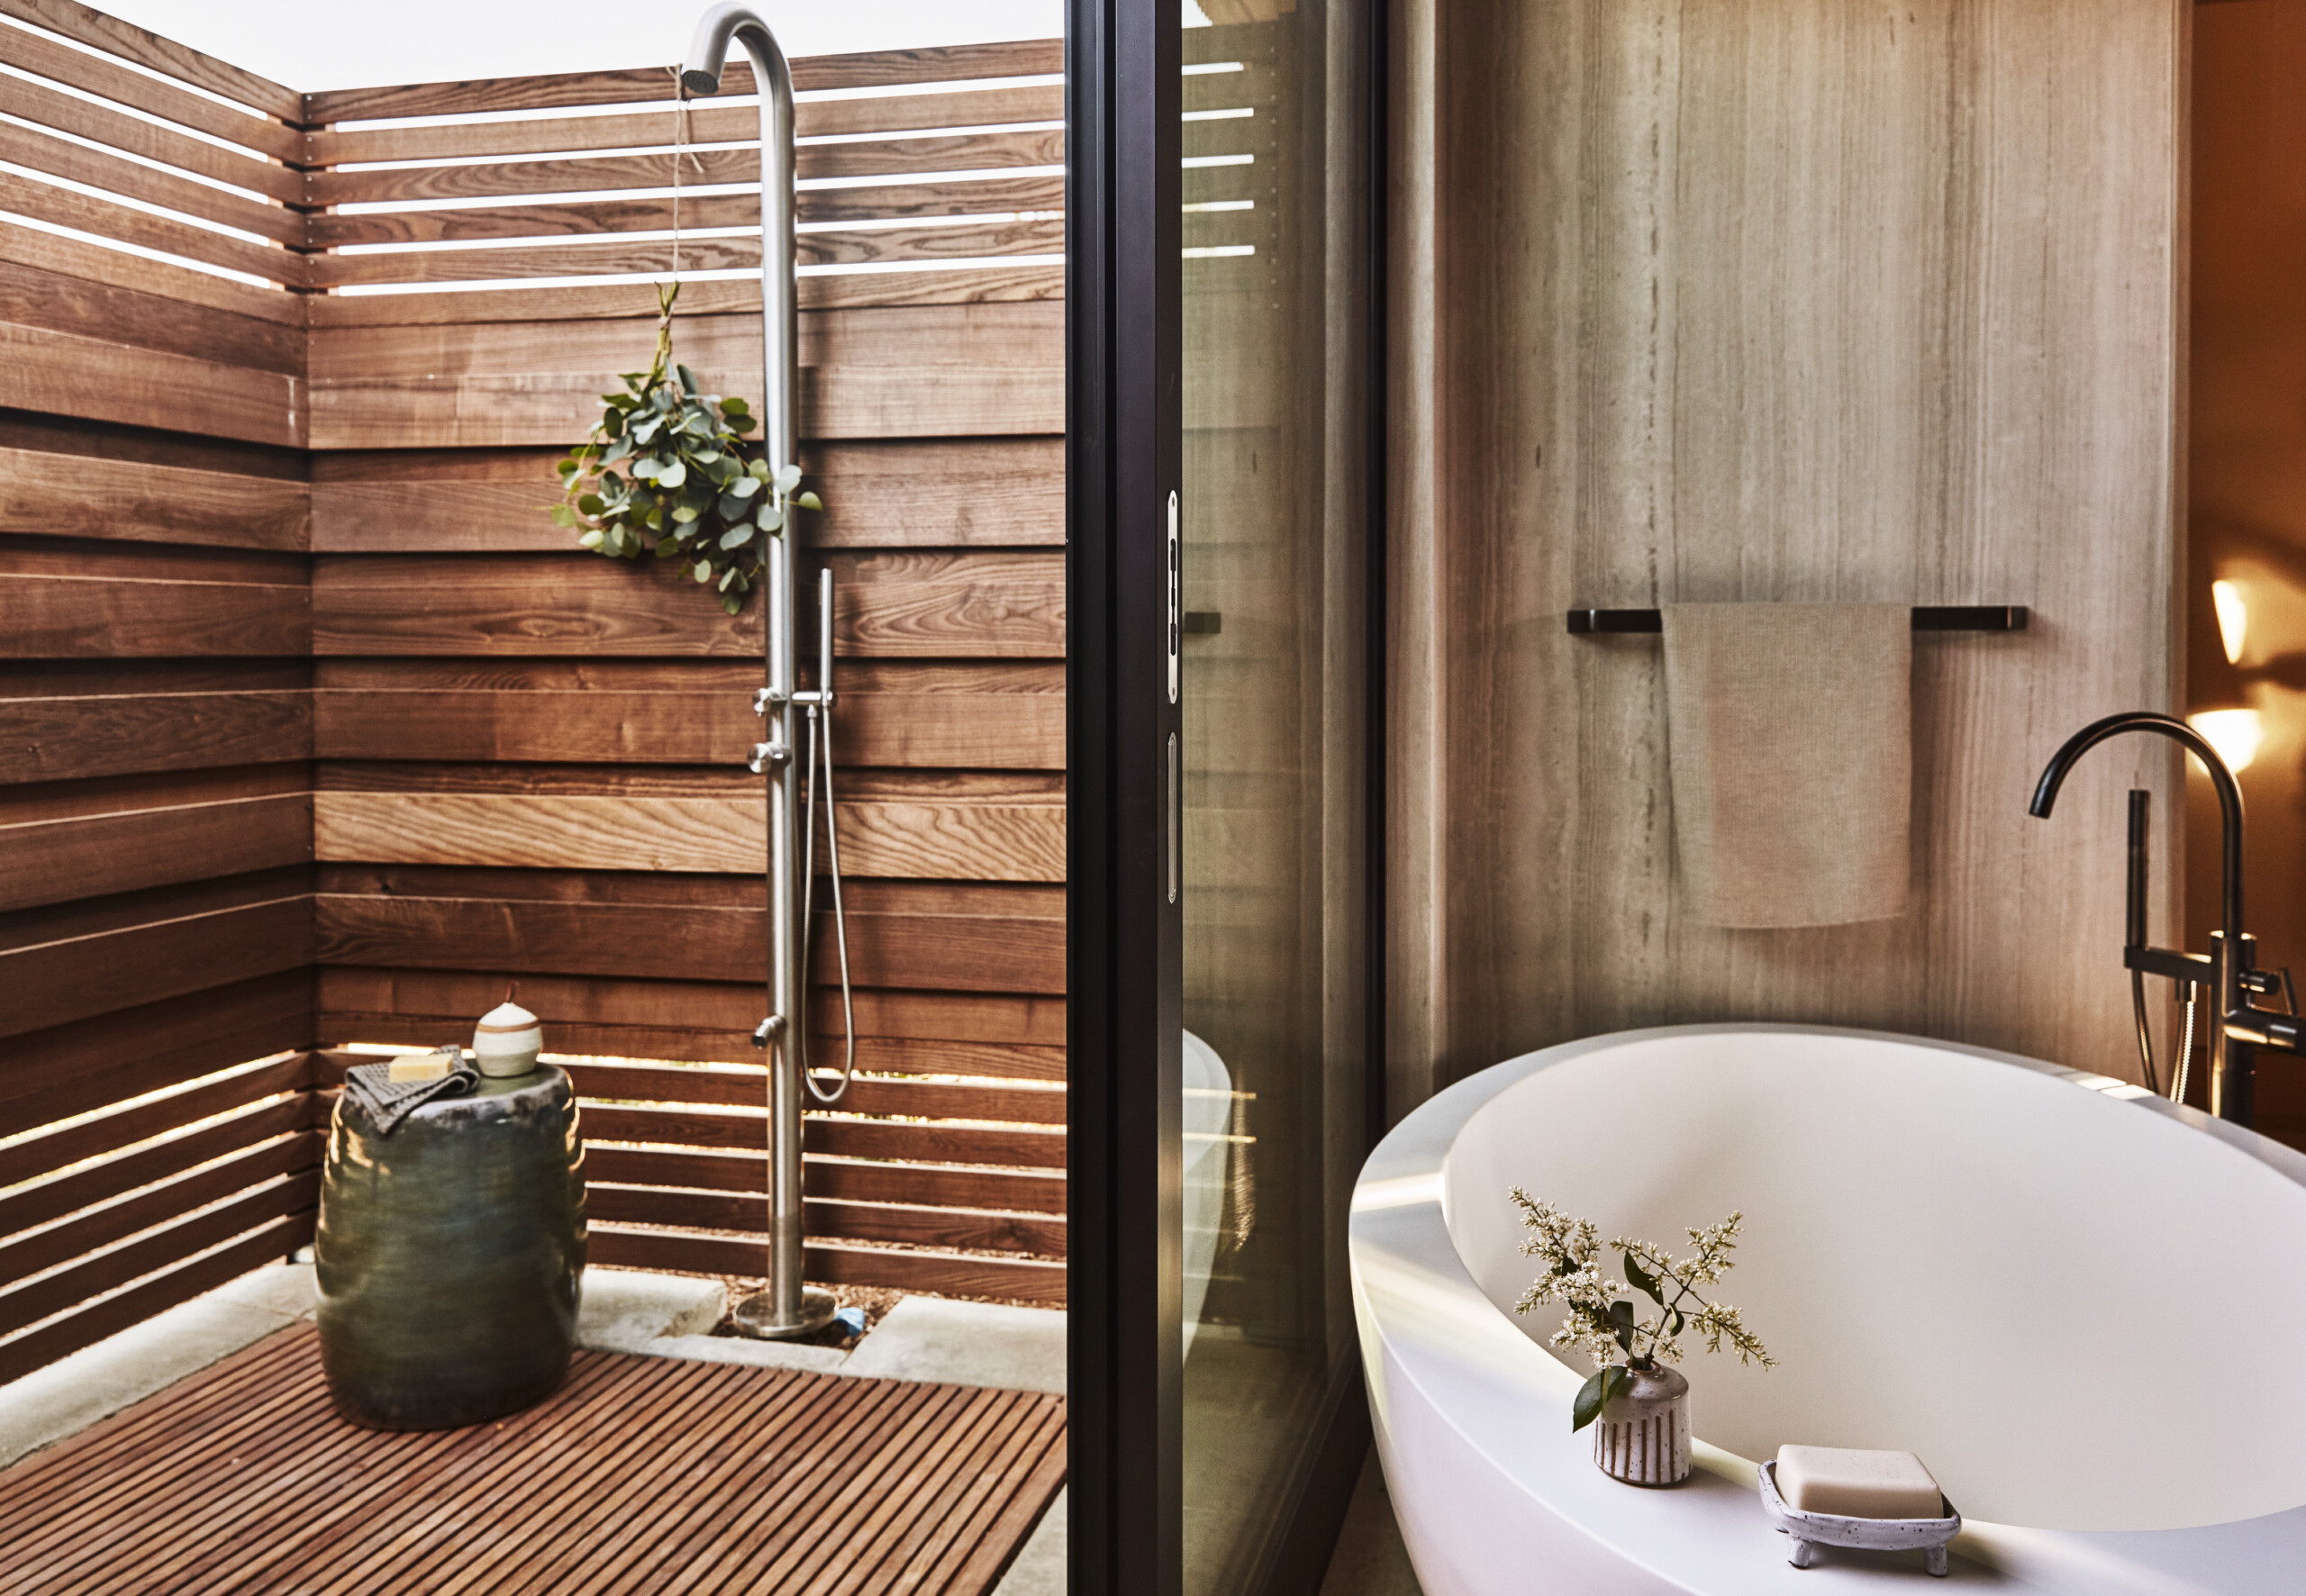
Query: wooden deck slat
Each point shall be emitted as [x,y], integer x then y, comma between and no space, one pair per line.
[639,1474]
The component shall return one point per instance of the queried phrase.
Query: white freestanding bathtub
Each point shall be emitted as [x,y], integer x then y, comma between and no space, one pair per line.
[1208,1119]
[2082,1307]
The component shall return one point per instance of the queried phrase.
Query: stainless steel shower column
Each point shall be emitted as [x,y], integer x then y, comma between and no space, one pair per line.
[787,1307]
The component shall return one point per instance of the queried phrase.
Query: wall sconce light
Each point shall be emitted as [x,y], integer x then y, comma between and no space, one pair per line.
[2233,619]
[2234,734]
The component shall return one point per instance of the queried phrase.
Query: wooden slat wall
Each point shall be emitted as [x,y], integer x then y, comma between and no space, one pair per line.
[156,735]
[530,760]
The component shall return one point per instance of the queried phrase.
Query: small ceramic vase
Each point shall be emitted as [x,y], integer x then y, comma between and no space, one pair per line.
[507,1041]
[1642,1436]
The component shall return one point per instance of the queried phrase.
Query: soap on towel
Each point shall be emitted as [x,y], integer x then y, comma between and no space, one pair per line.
[1791,744]
[1853,1484]
[420,1066]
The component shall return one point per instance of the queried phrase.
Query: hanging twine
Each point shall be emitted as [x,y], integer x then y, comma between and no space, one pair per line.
[681,141]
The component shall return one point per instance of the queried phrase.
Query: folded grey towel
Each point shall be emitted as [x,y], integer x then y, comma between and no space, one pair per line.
[389,1101]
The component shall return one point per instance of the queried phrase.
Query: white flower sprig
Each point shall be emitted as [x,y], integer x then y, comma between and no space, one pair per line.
[1603,1323]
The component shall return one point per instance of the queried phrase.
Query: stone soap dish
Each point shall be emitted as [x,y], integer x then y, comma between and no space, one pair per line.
[1927,1536]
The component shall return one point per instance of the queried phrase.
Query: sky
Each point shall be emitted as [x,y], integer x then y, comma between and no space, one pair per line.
[321,44]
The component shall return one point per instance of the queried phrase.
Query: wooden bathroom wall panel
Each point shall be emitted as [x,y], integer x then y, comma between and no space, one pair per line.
[45,617]
[248,1105]
[1765,288]
[887,160]
[72,1069]
[45,285]
[936,952]
[112,734]
[880,68]
[96,75]
[39,201]
[919,372]
[80,497]
[78,977]
[63,374]
[81,163]
[961,841]
[154,141]
[978,603]
[928,1141]
[935,492]
[131,849]
[1024,282]
[1022,1280]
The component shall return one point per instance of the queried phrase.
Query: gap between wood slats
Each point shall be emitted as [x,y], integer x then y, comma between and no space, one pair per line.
[944,241]
[64,207]
[707,123]
[116,1176]
[951,63]
[588,218]
[950,286]
[76,163]
[989,493]
[904,1224]
[946,1185]
[960,842]
[884,159]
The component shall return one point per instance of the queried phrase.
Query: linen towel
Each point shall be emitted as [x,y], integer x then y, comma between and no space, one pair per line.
[1792,740]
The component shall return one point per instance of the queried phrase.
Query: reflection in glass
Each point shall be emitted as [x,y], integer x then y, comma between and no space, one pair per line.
[1275,247]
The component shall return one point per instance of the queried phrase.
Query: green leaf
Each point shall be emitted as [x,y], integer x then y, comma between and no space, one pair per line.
[789,477]
[1643,1281]
[590,539]
[736,537]
[704,570]
[772,519]
[688,378]
[671,476]
[669,548]
[734,407]
[728,576]
[687,513]
[1595,1395]
[591,504]
[732,602]
[1622,1316]
[808,501]
[740,424]
[757,470]
[745,486]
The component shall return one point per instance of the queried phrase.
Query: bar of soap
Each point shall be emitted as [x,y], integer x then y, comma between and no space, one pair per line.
[1853,1484]
[418,1066]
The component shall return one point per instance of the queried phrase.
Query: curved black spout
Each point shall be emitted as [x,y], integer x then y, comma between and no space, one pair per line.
[2229,795]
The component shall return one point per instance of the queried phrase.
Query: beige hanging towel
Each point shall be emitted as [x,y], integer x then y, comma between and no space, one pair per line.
[1793,757]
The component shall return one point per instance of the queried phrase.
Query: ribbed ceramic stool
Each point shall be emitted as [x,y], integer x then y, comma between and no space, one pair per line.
[449,1254]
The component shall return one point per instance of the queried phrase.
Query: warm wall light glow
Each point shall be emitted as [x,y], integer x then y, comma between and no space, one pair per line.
[2233,618]
[2234,734]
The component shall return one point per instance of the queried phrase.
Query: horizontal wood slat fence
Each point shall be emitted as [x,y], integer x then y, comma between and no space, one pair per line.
[314,730]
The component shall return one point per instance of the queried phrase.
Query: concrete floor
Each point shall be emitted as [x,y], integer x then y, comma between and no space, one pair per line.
[669,1316]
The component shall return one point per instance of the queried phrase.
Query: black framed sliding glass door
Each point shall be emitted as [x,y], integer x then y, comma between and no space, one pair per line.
[1225,620]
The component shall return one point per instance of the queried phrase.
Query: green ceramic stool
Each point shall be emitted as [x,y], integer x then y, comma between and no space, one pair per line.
[449,1253]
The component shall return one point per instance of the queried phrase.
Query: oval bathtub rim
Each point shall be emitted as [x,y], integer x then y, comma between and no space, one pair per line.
[1398,1215]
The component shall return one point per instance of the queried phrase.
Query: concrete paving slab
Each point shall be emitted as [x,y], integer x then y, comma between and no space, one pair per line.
[49,1404]
[966,1344]
[1040,1567]
[625,1309]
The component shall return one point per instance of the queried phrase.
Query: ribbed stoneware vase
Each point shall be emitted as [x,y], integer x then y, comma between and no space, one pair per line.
[1643,1434]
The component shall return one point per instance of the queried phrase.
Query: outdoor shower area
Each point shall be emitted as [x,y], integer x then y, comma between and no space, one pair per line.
[316,731]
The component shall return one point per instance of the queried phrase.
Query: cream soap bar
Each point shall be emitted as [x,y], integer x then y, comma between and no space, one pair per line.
[418,1066]
[1852,1484]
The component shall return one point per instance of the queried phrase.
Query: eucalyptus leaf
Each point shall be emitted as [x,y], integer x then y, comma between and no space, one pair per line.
[789,477]
[745,486]
[704,570]
[736,537]
[688,378]
[808,501]
[671,476]
[772,519]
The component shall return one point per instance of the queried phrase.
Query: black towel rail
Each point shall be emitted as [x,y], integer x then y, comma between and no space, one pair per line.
[1926,618]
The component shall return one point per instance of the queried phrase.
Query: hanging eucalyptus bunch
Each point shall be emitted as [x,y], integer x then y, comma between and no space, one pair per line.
[665,474]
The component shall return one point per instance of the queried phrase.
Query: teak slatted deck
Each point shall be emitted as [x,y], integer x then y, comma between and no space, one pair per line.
[642,1475]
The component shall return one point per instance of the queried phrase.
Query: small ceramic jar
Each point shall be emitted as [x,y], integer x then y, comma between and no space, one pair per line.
[506,1041]
[1642,1436]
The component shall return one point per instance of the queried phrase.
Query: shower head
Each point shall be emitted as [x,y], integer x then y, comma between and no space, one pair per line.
[708,48]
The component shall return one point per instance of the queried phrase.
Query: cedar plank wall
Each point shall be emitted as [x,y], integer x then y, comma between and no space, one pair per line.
[155,718]
[530,758]
[489,704]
